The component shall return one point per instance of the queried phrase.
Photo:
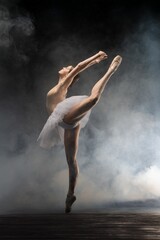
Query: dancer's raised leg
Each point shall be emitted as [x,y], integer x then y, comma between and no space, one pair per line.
[79,110]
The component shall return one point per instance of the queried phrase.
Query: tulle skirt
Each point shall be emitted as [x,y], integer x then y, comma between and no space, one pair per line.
[52,132]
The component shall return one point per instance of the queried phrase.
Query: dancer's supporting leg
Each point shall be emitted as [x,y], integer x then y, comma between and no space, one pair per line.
[71,137]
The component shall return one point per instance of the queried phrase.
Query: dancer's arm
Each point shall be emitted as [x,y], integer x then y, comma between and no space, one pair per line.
[98,57]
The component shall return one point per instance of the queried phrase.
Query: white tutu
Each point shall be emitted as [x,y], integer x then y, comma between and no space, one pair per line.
[52,133]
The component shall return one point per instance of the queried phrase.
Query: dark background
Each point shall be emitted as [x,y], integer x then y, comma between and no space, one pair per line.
[119,149]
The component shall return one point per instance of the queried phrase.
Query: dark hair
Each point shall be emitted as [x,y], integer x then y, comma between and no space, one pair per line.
[75,79]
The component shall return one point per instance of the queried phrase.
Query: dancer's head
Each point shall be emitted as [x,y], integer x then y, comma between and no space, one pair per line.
[65,71]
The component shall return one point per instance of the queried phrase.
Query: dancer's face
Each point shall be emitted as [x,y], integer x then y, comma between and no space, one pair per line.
[65,70]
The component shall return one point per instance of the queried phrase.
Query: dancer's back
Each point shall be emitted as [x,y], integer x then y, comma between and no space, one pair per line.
[56,95]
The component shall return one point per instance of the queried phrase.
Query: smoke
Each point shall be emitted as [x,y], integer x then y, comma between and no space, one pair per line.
[119,148]
[125,163]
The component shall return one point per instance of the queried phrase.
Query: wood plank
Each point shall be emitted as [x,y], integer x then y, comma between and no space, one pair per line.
[78,226]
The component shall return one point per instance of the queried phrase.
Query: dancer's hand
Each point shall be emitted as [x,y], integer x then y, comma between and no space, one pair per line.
[101,56]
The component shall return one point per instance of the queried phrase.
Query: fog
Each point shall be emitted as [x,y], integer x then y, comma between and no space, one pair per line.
[119,149]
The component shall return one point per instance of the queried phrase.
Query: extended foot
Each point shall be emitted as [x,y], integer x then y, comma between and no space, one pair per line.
[115,63]
[69,201]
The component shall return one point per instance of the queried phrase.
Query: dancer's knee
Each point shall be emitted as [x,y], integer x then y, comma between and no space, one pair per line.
[94,97]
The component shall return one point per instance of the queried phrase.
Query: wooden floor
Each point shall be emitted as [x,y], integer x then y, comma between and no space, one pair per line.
[80,226]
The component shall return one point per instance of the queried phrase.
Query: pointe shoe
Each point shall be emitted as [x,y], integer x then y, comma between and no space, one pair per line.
[115,63]
[69,201]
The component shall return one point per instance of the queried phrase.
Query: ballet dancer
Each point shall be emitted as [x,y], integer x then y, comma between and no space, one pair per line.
[68,115]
